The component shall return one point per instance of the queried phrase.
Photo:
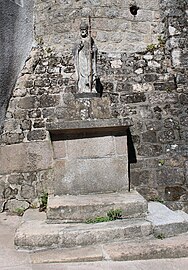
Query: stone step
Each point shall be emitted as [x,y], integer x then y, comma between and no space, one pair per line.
[38,234]
[137,249]
[69,208]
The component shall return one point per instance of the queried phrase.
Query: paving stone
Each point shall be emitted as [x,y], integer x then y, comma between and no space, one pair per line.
[173,247]
[80,254]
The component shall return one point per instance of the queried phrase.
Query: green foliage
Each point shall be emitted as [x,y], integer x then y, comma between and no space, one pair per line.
[111,215]
[39,40]
[161,41]
[19,211]
[114,214]
[160,236]
[48,50]
[157,199]
[43,200]
[151,47]
[161,162]
[97,220]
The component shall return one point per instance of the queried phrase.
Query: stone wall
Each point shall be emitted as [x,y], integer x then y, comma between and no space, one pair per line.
[145,82]
[113,26]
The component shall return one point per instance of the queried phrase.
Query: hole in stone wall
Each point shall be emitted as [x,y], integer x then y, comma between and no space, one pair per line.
[134,9]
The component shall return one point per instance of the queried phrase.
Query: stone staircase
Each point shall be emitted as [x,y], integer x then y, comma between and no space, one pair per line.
[64,226]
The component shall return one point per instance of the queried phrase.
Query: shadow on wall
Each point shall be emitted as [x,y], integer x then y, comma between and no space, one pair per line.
[131,154]
[16,36]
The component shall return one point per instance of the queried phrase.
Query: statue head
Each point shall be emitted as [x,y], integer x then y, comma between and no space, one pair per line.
[84,29]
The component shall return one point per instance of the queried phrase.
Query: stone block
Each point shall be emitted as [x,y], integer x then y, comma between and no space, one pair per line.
[133,98]
[27,102]
[149,136]
[100,108]
[158,98]
[97,147]
[38,234]
[69,208]
[25,157]
[81,254]
[173,247]
[36,135]
[150,150]
[170,176]
[86,234]
[49,100]
[14,206]
[28,192]
[83,176]
[121,145]
[165,221]
[174,193]
[59,149]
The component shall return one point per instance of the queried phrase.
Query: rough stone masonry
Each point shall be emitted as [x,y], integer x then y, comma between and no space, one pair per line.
[142,64]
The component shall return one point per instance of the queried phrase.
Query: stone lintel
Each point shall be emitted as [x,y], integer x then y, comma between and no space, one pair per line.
[105,124]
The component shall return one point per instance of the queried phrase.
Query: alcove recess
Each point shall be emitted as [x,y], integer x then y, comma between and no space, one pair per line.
[90,156]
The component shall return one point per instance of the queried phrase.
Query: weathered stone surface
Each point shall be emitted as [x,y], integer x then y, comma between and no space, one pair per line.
[59,149]
[174,193]
[80,208]
[38,234]
[81,254]
[15,206]
[28,192]
[36,135]
[173,247]
[98,147]
[168,176]
[83,176]
[165,221]
[25,157]
[97,123]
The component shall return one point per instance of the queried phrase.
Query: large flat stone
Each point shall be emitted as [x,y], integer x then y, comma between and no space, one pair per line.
[39,234]
[91,147]
[80,208]
[79,254]
[137,249]
[25,157]
[144,249]
[85,124]
[94,175]
[165,221]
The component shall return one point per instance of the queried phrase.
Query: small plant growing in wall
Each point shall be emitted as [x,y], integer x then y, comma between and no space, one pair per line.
[151,47]
[157,199]
[161,162]
[160,236]
[19,211]
[43,200]
[161,41]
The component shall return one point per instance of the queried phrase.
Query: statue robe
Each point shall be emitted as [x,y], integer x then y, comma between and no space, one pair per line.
[83,64]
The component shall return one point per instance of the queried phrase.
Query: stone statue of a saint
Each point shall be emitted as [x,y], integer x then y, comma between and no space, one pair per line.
[85,55]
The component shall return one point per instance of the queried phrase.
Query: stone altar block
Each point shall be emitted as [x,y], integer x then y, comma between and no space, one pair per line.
[90,156]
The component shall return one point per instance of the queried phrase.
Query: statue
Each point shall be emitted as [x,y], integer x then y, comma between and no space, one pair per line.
[85,55]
